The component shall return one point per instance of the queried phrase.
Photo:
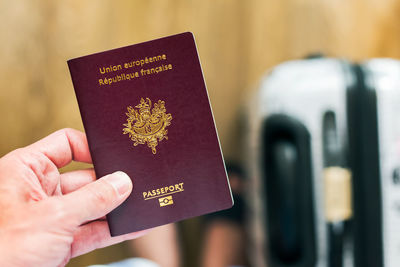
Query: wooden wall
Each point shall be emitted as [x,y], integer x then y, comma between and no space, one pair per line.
[237,41]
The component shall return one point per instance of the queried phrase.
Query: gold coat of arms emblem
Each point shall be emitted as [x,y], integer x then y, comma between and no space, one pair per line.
[147,125]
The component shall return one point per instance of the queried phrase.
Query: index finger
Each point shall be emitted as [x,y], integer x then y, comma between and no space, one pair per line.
[63,146]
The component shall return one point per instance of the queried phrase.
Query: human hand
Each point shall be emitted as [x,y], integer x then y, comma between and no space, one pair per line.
[46,217]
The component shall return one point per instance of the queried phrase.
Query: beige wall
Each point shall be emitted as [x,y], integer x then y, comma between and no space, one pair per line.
[237,41]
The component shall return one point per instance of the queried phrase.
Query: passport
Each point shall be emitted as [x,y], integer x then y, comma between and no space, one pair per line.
[146,111]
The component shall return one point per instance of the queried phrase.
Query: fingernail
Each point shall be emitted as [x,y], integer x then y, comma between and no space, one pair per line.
[120,181]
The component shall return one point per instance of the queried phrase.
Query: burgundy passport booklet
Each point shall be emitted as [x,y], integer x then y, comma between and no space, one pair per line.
[146,112]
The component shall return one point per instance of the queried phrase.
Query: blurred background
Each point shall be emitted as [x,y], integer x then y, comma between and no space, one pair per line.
[237,42]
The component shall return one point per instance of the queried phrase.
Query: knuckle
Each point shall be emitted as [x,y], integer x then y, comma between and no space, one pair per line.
[61,214]
[58,210]
[68,131]
[103,193]
[54,209]
[64,133]
[64,130]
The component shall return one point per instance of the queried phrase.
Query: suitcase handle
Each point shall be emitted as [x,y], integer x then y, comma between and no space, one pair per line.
[286,162]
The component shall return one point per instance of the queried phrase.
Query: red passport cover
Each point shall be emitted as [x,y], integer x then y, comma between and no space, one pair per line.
[146,112]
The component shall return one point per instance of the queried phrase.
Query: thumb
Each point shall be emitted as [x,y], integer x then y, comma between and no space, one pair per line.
[96,199]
